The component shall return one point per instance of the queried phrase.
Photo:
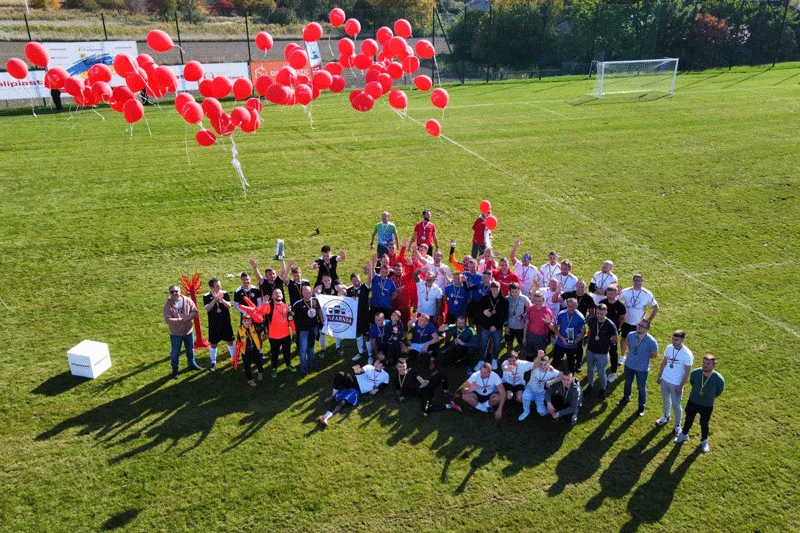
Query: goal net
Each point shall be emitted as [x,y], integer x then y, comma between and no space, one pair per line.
[641,76]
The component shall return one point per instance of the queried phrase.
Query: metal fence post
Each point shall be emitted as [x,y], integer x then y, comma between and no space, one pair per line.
[780,33]
[433,38]
[247,36]
[105,32]
[28,28]
[178,30]
[489,41]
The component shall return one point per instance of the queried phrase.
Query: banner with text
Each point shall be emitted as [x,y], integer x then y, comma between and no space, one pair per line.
[340,314]
[31,87]
[76,58]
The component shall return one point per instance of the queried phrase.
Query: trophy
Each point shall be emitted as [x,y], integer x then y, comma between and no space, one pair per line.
[279,250]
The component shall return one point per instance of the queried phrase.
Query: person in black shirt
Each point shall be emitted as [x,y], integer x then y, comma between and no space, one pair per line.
[360,292]
[492,315]
[296,283]
[307,320]
[270,280]
[409,383]
[602,333]
[327,265]
[616,314]
[218,303]
[246,289]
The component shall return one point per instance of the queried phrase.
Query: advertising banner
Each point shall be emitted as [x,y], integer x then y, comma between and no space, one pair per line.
[340,314]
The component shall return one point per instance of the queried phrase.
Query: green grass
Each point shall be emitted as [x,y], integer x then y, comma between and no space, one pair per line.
[698,191]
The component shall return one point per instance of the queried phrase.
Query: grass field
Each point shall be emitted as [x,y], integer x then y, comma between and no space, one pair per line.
[699,191]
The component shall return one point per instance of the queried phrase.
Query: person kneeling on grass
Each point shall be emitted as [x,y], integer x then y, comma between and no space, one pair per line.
[534,391]
[249,338]
[563,397]
[485,392]
[460,341]
[514,376]
[424,338]
[348,388]
[410,383]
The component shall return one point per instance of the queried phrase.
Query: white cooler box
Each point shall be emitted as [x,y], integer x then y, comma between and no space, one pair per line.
[89,359]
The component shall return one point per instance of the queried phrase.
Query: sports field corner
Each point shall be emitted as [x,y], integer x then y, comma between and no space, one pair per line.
[697,190]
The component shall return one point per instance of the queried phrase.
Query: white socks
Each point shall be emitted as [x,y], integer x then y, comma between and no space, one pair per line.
[231,349]
[328,414]
[526,409]
[212,353]
[360,344]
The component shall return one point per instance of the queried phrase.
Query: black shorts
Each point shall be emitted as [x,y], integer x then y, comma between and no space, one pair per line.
[220,331]
[362,328]
[514,334]
[483,397]
[514,388]
[627,328]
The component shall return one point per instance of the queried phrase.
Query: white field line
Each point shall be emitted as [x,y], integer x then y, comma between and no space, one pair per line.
[646,249]
[746,268]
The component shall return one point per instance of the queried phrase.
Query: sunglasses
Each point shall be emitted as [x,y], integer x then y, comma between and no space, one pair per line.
[174,292]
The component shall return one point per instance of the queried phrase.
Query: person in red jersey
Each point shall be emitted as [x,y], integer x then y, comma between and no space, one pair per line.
[425,231]
[504,276]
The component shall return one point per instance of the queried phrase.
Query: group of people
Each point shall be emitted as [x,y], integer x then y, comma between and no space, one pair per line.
[417,317]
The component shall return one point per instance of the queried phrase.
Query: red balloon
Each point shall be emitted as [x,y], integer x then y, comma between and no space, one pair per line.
[424,49]
[298,59]
[124,65]
[150,68]
[101,91]
[322,80]
[17,68]
[137,80]
[143,59]
[262,84]
[240,116]
[406,52]
[99,72]
[398,99]
[242,89]
[423,83]
[254,124]
[336,17]
[386,82]
[223,124]
[164,78]
[411,64]
[254,104]
[402,27]
[346,47]
[491,222]
[374,89]
[334,68]
[159,41]
[192,112]
[120,95]
[396,45]
[37,54]
[346,61]
[361,101]
[395,70]
[222,87]
[133,110]
[181,100]
[362,62]
[211,108]
[205,137]
[372,74]
[289,49]
[312,32]
[303,79]
[74,86]
[206,88]
[155,91]
[286,76]
[264,41]
[338,84]
[440,98]
[278,94]
[383,35]
[485,207]
[434,129]
[369,47]
[352,27]
[303,94]
[193,71]
[55,77]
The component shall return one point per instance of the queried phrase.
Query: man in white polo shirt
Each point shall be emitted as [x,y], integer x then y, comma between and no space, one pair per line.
[636,299]
[675,369]
[484,391]
[601,281]
[429,296]
[525,271]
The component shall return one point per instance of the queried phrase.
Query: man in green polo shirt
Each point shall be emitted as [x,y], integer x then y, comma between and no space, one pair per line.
[707,384]
[386,233]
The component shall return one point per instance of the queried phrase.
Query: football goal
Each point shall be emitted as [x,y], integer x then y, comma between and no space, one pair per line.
[641,76]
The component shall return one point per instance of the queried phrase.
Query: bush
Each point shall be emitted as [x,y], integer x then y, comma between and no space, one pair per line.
[282,16]
[136,6]
[262,8]
[86,5]
[223,8]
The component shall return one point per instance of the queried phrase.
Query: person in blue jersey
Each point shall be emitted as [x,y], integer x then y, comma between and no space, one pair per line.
[570,328]
[642,349]
[383,290]
[456,295]
[424,337]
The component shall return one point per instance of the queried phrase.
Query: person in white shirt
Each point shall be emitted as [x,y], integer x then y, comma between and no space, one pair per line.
[601,281]
[675,369]
[566,279]
[636,299]
[484,391]
[514,376]
[441,271]
[549,292]
[348,388]
[534,391]
[429,296]
[548,270]
[525,271]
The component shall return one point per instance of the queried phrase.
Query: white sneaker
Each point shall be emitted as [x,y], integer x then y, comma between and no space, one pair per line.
[612,377]
[704,446]
[369,360]
[523,416]
[622,360]
[483,407]
[356,357]
[677,430]
[663,420]
[478,366]
[494,364]
[682,437]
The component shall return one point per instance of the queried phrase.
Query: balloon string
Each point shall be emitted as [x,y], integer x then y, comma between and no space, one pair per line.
[4,304]
[238,166]
[148,126]
[329,45]
[438,76]
[33,108]
[131,131]
[310,117]
[98,114]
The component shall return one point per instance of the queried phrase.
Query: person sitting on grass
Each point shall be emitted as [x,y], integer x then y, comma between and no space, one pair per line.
[514,376]
[534,391]
[563,397]
[349,387]
[460,342]
[484,391]
[409,383]
[424,338]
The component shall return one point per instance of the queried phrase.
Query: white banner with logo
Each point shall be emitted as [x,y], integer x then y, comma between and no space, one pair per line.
[314,57]
[31,87]
[231,70]
[76,58]
[340,314]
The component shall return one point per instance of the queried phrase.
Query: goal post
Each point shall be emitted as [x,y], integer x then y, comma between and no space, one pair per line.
[639,76]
